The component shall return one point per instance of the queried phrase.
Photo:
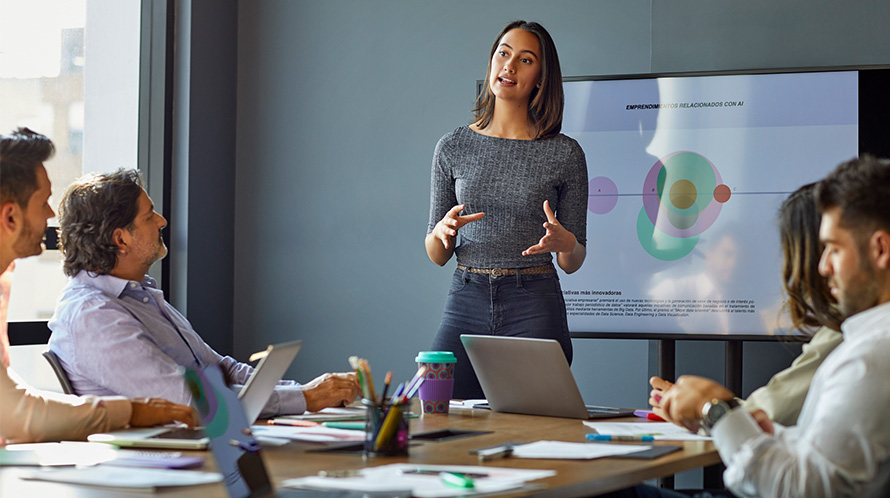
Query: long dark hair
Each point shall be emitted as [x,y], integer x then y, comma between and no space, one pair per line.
[92,209]
[809,301]
[545,103]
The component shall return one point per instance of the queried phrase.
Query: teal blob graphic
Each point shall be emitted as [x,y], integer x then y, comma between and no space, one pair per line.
[660,245]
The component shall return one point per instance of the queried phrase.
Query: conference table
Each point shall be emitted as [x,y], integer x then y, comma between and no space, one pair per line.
[574,478]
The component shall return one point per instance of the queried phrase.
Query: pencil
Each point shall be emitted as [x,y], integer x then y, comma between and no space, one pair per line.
[386,381]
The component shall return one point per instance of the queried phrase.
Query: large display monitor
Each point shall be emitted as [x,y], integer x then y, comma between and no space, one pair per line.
[686,176]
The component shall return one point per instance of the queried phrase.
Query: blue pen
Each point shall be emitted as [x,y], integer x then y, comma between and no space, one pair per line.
[396,395]
[614,437]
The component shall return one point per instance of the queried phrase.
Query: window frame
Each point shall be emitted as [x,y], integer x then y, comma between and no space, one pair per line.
[155,139]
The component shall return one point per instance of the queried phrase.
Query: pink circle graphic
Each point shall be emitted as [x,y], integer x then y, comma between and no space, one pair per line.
[602,195]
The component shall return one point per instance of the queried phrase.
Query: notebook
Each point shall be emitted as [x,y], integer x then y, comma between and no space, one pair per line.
[274,361]
[530,376]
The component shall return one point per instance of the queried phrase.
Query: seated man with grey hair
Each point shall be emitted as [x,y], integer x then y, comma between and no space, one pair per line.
[113,330]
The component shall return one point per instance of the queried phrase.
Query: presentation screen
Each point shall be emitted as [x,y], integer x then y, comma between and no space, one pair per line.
[686,176]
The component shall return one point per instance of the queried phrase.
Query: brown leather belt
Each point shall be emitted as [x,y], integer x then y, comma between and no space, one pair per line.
[497,273]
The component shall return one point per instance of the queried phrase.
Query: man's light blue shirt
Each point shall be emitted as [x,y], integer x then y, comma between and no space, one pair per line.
[120,337]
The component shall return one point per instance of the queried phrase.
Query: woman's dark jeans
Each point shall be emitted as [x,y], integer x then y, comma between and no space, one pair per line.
[523,305]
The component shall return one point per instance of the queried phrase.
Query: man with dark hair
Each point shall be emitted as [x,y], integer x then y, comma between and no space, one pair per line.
[841,443]
[114,332]
[27,415]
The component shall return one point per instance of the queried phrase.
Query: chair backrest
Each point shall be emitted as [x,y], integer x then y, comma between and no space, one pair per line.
[60,372]
[28,364]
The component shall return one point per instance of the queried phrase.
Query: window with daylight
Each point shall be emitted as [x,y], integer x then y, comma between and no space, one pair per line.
[69,69]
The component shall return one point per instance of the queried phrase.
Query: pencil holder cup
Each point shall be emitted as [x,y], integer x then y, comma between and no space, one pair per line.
[386,428]
[438,383]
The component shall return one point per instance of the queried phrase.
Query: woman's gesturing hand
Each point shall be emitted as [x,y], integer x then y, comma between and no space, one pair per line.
[555,239]
[446,229]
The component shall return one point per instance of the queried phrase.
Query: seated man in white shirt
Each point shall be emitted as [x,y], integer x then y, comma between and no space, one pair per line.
[841,443]
[112,329]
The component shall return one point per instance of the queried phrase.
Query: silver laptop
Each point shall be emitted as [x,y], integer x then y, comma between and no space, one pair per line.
[274,361]
[530,376]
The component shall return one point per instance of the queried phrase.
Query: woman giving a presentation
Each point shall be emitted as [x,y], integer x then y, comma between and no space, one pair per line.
[515,190]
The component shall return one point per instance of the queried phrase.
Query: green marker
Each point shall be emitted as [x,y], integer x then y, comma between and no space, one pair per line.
[456,479]
[358,426]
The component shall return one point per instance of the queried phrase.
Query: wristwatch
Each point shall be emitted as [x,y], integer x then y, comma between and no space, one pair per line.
[714,410]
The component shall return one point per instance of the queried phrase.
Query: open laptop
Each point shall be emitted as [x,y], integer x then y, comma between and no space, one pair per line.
[530,376]
[274,361]
[238,455]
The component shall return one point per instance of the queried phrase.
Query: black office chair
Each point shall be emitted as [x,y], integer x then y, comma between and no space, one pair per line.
[60,372]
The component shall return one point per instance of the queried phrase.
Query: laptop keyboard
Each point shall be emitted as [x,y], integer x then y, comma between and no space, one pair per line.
[181,434]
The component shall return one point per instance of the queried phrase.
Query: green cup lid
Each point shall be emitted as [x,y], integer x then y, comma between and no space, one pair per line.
[435,357]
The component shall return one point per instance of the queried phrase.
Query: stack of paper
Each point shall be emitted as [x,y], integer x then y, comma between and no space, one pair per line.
[317,434]
[660,431]
[577,451]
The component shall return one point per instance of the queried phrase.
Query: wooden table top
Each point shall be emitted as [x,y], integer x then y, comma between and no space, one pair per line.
[298,459]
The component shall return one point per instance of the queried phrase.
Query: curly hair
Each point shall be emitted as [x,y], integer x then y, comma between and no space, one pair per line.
[91,210]
[20,153]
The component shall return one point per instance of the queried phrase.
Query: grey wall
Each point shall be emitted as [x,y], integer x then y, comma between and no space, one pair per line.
[340,103]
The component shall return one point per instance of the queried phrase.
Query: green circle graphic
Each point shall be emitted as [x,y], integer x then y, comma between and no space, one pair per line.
[686,168]
[660,245]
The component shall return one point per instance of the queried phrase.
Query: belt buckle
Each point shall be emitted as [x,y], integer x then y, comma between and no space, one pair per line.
[497,273]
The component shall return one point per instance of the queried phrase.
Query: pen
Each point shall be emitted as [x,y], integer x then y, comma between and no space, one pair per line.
[372,394]
[361,382]
[496,452]
[396,395]
[456,479]
[415,383]
[616,437]
[291,422]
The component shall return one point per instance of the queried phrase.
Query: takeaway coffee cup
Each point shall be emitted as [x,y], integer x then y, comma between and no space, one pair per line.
[438,384]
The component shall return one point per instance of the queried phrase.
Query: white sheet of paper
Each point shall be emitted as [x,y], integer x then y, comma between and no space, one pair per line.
[122,477]
[466,403]
[577,451]
[398,478]
[661,431]
[52,454]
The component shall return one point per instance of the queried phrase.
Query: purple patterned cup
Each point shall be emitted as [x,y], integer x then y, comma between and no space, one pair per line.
[438,384]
